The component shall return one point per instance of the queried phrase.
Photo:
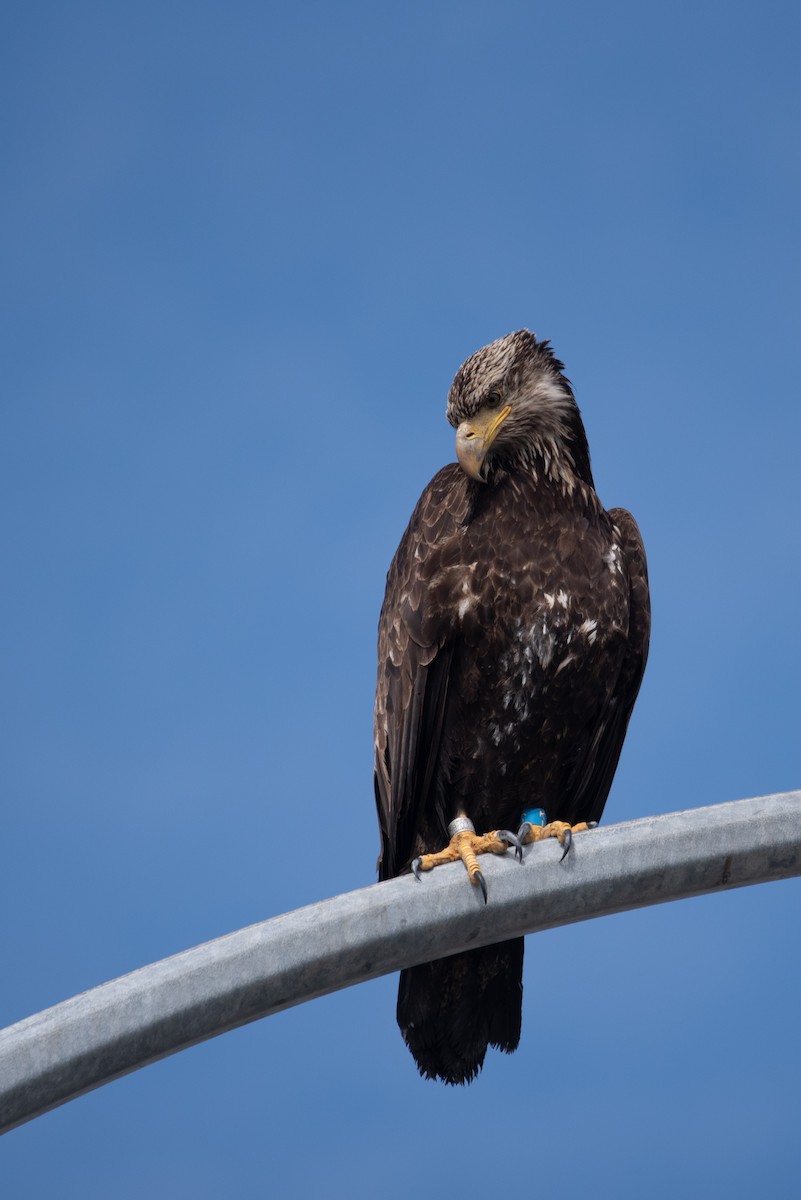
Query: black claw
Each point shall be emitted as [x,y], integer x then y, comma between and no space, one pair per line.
[416,868]
[524,830]
[592,824]
[482,883]
[567,843]
[512,839]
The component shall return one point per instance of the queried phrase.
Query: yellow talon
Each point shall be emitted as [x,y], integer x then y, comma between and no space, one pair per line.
[561,830]
[465,844]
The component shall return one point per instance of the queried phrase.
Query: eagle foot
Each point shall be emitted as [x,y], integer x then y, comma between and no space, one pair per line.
[554,829]
[466,844]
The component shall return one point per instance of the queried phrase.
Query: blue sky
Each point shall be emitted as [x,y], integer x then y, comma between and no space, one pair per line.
[244,249]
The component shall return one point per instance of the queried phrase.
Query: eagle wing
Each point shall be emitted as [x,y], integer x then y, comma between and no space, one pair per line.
[590,788]
[417,642]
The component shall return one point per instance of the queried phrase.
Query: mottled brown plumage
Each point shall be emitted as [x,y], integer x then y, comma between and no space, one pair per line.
[512,643]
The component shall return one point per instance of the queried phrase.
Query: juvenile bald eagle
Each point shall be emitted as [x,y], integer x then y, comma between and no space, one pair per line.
[511,646]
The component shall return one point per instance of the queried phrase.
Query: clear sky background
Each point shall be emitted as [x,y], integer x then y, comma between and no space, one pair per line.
[245,247]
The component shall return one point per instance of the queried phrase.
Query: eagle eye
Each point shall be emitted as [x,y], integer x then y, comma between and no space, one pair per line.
[493,400]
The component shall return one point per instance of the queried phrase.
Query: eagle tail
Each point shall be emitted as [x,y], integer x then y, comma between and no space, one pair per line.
[451,1010]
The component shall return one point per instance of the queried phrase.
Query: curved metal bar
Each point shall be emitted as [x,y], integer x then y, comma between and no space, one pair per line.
[102,1034]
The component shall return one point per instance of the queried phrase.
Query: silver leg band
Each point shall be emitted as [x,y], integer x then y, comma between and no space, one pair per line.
[461,825]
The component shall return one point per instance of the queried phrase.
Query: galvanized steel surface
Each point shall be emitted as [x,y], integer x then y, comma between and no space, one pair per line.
[75,1046]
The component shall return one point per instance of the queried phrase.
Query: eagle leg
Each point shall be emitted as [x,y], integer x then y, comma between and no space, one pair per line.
[561,830]
[466,844]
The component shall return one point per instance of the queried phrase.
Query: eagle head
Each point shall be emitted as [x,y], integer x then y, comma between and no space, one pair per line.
[512,406]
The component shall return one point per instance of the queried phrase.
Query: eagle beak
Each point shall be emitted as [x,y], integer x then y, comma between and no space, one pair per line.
[474,438]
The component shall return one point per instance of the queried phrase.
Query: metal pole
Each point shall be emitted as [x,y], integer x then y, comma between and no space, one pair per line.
[93,1038]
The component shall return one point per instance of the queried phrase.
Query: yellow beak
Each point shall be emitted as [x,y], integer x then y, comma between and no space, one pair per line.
[474,438]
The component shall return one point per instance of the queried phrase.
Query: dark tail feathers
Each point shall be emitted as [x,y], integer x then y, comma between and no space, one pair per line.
[451,1010]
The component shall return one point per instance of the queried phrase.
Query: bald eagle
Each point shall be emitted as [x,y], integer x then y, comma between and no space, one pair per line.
[511,646]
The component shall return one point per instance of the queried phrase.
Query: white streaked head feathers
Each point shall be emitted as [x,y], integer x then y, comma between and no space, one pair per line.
[544,423]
